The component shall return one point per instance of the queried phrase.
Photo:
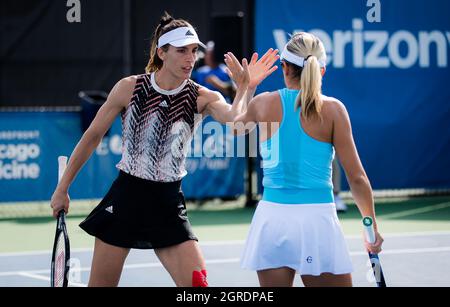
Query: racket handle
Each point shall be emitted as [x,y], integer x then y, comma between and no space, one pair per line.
[374,260]
[61,215]
[62,162]
[369,230]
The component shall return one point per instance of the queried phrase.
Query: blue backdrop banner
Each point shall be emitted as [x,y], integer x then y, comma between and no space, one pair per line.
[388,62]
[30,143]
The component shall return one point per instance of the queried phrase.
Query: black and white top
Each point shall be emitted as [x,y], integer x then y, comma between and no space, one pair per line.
[158,126]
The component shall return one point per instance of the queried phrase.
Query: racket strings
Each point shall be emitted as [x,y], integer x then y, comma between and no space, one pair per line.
[60,261]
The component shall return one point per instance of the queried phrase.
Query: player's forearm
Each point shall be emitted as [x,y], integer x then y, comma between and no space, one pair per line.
[239,105]
[80,155]
[243,128]
[363,196]
[250,94]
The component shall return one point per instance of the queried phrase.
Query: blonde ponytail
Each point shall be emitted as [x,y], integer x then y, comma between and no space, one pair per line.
[309,47]
[310,99]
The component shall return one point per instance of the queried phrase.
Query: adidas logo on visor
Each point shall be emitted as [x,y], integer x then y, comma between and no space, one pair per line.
[189,33]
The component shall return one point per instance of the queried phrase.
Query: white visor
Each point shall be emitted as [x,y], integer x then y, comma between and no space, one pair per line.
[180,37]
[298,60]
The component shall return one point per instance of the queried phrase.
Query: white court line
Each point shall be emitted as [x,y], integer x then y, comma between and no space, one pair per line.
[43,252]
[407,251]
[127,266]
[416,211]
[33,275]
[404,234]
[235,260]
[235,242]
[82,250]
[218,243]
[40,277]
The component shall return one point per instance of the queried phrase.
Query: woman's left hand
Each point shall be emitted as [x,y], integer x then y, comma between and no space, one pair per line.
[262,68]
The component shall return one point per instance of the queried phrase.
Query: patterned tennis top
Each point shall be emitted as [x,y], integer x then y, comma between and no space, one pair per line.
[158,126]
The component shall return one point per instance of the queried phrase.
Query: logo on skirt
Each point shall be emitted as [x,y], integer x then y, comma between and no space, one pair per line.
[309,259]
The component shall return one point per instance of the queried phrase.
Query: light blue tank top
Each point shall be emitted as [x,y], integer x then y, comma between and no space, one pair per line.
[297,168]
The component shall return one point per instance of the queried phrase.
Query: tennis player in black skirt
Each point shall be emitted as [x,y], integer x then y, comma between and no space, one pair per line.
[145,207]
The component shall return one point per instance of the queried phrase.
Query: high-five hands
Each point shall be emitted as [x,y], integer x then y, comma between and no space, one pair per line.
[253,73]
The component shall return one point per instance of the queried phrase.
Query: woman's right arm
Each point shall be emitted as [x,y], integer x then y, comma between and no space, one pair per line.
[117,100]
[356,176]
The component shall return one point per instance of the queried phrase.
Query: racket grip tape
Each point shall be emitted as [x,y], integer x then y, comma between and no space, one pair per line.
[369,230]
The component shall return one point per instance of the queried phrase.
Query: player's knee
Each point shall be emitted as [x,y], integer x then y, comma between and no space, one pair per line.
[199,279]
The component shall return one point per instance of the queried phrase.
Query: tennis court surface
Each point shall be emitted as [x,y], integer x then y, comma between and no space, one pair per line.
[416,249]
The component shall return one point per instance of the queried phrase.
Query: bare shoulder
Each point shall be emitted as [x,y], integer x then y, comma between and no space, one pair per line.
[208,99]
[206,92]
[127,85]
[123,91]
[265,106]
[333,107]
[267,96]
[266,99]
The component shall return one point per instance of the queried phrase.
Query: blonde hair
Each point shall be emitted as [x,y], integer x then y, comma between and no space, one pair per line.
[166,24]
[312,50]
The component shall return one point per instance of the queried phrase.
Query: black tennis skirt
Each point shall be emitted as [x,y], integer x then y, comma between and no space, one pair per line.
[141,214]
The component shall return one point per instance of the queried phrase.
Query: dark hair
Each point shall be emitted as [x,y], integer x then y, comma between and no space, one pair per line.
[166,24]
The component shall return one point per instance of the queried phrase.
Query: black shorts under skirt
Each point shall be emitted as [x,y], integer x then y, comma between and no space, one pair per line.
[141,214]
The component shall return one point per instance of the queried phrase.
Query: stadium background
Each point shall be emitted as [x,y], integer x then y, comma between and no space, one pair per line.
[392,76]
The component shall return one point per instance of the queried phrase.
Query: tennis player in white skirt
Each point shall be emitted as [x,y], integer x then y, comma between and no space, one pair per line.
[295,229]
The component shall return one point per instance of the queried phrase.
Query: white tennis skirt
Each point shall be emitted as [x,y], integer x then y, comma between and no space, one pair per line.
[306,238]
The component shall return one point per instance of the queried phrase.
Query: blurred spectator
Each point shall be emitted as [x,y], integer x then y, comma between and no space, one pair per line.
[213,74]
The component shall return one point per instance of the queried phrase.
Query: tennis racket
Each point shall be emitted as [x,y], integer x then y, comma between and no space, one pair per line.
[61,247]
[374,260]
